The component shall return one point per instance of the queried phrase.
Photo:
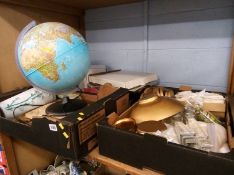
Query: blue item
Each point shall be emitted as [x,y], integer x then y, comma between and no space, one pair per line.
[52,56]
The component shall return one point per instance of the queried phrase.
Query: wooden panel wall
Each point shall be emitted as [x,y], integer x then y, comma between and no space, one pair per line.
[29,157]
[12,21]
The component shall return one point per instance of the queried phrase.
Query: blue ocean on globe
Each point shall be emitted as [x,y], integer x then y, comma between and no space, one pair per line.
[74,56]
[71,59]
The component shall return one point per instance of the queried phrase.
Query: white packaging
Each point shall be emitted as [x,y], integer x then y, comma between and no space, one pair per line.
[217,136]
[24,102]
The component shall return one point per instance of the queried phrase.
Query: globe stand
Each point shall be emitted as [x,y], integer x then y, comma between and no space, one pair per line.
[65,106]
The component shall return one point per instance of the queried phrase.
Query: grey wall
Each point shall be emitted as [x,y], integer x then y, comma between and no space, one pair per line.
[182,41]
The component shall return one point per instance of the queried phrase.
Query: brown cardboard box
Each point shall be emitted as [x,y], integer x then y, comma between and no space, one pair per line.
[212,107]
[104,91]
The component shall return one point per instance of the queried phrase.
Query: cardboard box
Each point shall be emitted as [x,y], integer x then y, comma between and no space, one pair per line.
[156,153]
[214,107]
[103,91]
[74,135]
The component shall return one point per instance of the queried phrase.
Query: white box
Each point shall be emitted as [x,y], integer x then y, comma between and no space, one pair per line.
[125,79]
[92,70]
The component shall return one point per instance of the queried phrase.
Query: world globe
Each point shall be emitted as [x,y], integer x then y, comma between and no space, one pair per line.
[52,56]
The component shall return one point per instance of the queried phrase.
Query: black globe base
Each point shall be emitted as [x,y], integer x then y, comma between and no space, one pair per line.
[65,106]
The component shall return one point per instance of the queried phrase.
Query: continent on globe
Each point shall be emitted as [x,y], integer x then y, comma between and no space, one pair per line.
[41,59]
[53,56]
[42,41]
[63,66]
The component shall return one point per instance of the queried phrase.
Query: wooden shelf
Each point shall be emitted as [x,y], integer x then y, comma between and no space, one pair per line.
[120,166]
[73,7]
